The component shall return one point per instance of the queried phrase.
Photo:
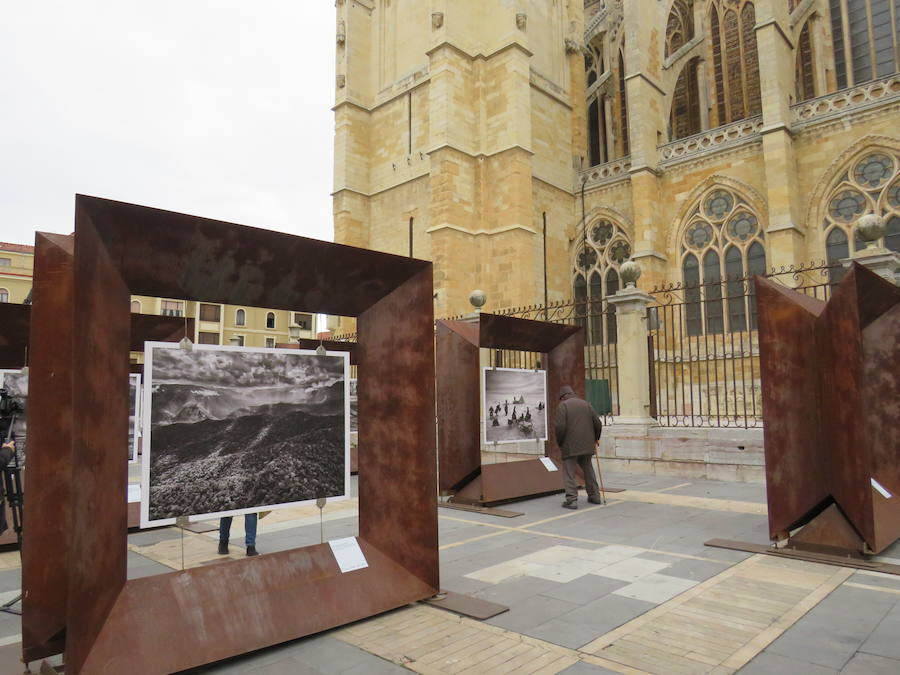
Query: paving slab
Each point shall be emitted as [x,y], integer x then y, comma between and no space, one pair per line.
[531,612]
[832,632]
[885,639]
[774,664]
[869,664]
[585,589]
[583,668]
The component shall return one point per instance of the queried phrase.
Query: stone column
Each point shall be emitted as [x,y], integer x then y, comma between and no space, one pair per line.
[631,351]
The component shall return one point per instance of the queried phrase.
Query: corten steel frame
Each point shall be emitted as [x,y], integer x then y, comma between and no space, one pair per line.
[14,323]
[459,403]
[184,619]
[15,328]
[830,391]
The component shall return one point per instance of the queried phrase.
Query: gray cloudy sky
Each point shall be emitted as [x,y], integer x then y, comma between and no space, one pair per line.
[216,108]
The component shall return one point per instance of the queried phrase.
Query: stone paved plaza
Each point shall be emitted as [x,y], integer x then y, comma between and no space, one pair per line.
[627,587]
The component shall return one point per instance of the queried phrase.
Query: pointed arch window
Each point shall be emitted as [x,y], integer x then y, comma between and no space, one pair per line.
[599,142]
[684,118]
[623,103]
[722,245]
[803,70]
[870,184]
[598,260]
[735,60]
[680,26]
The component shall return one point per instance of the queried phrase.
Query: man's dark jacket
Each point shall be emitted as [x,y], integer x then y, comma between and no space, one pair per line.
[577,427]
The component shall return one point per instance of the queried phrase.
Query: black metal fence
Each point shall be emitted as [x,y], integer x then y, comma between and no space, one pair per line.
[704,347]
[601,358]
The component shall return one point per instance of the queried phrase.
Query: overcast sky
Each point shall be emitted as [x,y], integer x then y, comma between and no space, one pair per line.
[216,108]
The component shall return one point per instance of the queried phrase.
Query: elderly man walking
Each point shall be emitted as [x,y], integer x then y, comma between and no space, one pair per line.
[578,429]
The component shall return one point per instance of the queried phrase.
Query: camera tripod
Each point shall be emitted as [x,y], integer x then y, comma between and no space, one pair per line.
[12,485]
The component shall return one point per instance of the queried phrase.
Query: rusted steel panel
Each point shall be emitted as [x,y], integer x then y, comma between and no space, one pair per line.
[236,607]
[565,366]
[170,622]
[839,356]
[47,482]
[174,255]
[330,345]
[153,328]
[14,326]
[830,383]
[96,561]
[514,480]
[506,332]
[458,403]
[796,475]
[880,394]
[398,484]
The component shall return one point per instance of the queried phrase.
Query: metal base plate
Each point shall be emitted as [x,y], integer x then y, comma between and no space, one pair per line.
[809,556]
[486,510]
[466,605]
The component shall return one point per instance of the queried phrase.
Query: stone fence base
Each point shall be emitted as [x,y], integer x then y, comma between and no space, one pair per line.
[717,454]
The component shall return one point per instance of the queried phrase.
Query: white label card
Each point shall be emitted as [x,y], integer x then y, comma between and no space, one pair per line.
[348,554]
[134,492]
[548,464]
[878,486]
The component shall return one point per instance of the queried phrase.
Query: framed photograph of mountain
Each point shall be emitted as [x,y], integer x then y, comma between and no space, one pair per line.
[234,430]
[15,382]
[354,400]
[514,404]
[134,415]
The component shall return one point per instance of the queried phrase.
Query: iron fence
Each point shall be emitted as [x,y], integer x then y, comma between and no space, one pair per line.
[600,357]
[704,347]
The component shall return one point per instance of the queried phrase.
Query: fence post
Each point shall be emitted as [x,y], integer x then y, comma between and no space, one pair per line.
[632,354]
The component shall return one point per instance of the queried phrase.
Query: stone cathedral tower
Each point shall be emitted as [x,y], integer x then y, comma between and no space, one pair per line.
[710,139]
[459,128]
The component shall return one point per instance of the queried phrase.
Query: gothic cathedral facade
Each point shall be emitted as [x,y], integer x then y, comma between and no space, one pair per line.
[529,147]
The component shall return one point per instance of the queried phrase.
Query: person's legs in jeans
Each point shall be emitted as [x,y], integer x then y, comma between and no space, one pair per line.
[250,521]
[590,480]
[224,533]
[570,465]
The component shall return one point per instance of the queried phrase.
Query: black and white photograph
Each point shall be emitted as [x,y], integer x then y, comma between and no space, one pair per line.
[15,384]
[134,415]
[515,405]
[234,430]
[354,400]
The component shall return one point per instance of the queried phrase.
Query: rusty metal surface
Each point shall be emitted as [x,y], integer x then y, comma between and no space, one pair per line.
[14,325]
[330,345]
[398,483]
[47,481]
[154,328]
[880,379]
[180,620]
[513,480]
[170,622]
[839,355]
[96,559]
[507,332]
[565,366]
[830,380]
[175,255]
[796,478]
[458,403]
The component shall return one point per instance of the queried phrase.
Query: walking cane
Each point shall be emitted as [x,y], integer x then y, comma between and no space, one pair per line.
[600,475]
